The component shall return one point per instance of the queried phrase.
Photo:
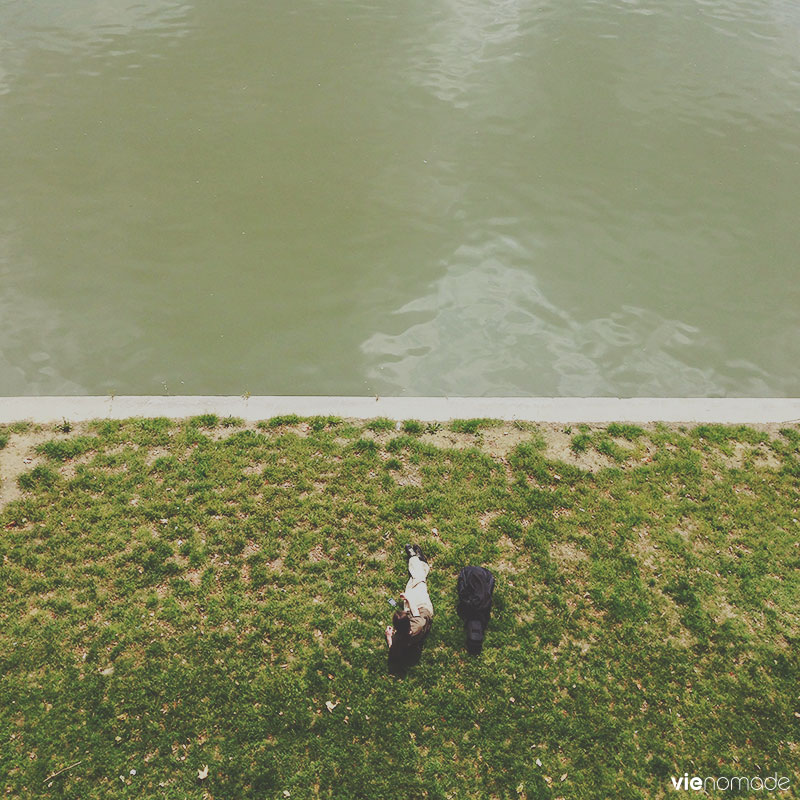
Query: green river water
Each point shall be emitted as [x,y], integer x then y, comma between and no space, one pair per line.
[472,197]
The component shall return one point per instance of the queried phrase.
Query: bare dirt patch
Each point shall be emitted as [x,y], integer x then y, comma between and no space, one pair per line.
[154,453]
[761,454]
[723,611]
[485,519]
[276,565]
[499,442]
[512,558]
[316,553]
[302,429]
[450,440]
[410,475]
[15,458]
[226,431]
[559,448]
[70,468]
[379,437]
[567,554]
[496,442]
[250,549]
[318,487]
[646,552]
[19,455]
[244,568]
[119,449]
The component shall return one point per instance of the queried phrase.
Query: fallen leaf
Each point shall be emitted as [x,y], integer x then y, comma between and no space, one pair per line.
[107,670]
[202,774]
[330,706]
[564,776]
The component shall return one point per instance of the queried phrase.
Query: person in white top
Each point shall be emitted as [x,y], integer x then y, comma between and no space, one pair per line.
[412,624]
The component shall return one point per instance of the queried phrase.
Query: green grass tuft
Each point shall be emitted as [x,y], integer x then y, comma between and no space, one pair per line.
[473,425]
[608,447]
[204,421]
[381,424]
[65,449]
[580,442]
[21,426]
[279,421]
[38,477]
[624,431]
[321,423]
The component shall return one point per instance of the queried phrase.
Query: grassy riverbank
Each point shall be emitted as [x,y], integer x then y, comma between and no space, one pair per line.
[203,593]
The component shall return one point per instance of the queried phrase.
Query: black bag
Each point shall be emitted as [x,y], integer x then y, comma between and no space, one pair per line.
[475,586]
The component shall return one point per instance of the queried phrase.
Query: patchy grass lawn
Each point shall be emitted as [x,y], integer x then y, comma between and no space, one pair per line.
[188,594]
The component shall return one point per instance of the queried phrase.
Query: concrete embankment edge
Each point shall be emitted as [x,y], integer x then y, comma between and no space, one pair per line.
[535,409]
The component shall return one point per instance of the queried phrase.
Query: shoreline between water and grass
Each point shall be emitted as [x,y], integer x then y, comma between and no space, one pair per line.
[252,408]
[193,608]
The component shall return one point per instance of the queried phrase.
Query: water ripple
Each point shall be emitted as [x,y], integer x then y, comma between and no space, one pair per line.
[63,26]
[489,329]
[28,329]
[460,41]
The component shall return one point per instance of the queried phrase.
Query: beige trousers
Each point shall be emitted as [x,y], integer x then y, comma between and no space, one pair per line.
[417,586]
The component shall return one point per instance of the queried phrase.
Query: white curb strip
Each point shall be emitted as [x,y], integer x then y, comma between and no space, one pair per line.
[535,409]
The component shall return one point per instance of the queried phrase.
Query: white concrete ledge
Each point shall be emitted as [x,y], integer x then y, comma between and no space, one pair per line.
[536,409]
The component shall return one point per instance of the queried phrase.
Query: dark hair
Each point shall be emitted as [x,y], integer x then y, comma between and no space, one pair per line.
[405,651]
[401,621]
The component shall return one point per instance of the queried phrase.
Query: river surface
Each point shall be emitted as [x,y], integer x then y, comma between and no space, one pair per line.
[438,197]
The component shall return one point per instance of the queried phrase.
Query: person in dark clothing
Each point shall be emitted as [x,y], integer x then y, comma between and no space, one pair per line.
[475,587]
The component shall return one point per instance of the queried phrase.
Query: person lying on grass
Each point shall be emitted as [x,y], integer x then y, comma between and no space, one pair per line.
[411,624]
